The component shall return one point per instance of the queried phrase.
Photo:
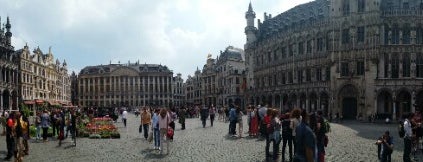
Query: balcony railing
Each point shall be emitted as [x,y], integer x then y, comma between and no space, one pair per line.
[402,12]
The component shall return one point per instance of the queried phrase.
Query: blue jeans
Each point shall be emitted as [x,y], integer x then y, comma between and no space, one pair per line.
[38,132]
[156,135]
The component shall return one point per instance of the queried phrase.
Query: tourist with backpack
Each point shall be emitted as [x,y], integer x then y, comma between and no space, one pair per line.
[320,132]
[286,135]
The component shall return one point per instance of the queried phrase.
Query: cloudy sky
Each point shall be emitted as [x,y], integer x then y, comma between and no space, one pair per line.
[176,33]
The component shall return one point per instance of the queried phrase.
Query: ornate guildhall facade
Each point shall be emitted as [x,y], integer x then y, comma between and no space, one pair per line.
[129,85]
[8,70]
[353,57]
[42,78]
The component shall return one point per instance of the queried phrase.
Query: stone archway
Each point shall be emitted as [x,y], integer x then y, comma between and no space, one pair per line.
[277,101]
[347,98]
[292,101]
[303,98]
[313,102]
[324,103]
[384,103]
[270,101]
[6,99]
[403,103]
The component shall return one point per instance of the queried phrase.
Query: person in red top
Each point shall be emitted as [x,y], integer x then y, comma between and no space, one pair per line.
[10,141]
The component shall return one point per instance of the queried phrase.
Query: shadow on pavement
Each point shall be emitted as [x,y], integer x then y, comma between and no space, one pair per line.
[373,131]
[153,154]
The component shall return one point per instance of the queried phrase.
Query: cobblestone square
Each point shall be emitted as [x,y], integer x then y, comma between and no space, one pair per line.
[351,141]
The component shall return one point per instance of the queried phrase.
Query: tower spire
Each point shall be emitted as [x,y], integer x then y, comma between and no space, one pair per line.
[250,30]
[250,8]
[8,33]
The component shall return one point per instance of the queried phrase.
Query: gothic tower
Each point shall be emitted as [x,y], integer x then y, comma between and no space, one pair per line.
[8,33]
[250,30]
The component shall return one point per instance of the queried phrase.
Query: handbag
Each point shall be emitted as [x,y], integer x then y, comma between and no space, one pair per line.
[170,132]
[140,129]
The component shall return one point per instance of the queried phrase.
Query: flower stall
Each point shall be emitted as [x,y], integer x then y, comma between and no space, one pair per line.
[102,128]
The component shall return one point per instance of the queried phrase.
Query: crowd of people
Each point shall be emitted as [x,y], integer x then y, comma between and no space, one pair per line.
[302,133]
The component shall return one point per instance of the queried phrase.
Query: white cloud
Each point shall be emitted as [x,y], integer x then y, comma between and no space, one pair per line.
[176,33]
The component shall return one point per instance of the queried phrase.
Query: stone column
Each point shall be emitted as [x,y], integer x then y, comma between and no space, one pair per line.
[394,112]
[1,101]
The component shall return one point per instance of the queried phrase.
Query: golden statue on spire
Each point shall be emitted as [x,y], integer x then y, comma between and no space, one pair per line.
[209,56]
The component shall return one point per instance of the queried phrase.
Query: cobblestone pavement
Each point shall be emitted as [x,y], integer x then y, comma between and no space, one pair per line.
[351,141]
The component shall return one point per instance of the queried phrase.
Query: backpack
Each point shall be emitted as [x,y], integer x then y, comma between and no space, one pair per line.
[286,130]
[325,126]
[401,130]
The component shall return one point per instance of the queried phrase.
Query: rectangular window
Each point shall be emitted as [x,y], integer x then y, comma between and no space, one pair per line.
[406,66]
[319,44]
[386,65]
[269,56]
[361,6]
[283,52]
[283,78]
[406,36]
[300,76]
[301,48]
[395,67]
[346,8]
[345,36]
[360,34]
[308,75]
[360,68]
[291,50]
[327,73]
[395,35]
[318,74]
[309,46]
[275,54]
[290,78]
[344,69]
[419,66]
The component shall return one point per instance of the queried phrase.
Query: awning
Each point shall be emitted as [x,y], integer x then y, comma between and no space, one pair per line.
[29,102]
[38,101]
[53,103]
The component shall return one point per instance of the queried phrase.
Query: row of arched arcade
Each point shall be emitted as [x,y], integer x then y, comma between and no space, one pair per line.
[311,101]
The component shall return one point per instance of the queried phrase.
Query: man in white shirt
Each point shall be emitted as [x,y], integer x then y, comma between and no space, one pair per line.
[124,116]
[407,138]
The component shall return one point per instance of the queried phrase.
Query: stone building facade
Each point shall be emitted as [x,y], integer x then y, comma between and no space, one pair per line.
[221,80]
[128,85]
[193,88]
[9,70]
[230,66]
[43,79]
[352,57]
[178,90]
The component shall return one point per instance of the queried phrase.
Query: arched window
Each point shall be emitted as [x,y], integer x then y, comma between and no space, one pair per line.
[419,65]
[419,35]
[346,7]
[386,35]
[395,35]
[406,34]
[395,66]
[406,65]
[386,65]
